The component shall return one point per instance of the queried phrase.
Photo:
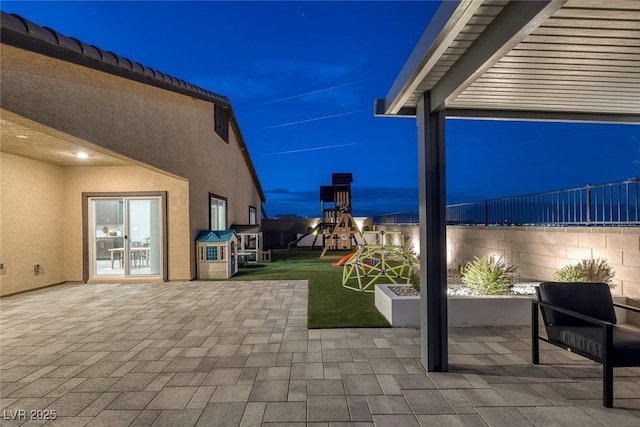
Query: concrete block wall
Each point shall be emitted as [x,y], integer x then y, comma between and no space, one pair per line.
[540,251]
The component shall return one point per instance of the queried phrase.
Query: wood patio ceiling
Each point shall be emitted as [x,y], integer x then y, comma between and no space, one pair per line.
[541,59]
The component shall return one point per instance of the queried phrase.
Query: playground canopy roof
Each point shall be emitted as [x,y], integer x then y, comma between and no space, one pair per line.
[341,178]
[563,60]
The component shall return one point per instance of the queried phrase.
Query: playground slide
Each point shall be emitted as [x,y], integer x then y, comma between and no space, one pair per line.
[342,260]
[295,242]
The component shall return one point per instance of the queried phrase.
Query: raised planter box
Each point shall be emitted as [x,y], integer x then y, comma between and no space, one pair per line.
[498,310]
[398,310]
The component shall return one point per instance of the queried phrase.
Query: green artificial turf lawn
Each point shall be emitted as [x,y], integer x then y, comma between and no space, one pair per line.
[330,305]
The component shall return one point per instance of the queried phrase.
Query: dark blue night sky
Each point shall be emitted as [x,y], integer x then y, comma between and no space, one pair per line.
[302,77]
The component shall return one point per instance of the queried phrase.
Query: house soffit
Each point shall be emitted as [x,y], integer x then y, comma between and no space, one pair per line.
[24,138]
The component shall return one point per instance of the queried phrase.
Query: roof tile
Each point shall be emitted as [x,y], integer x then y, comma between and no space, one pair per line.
[42,33]
[91,51]
[68,43]
[125,63]
[137,67]
[14,22]
[109,57]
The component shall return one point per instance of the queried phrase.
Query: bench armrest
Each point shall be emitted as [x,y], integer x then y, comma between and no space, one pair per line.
[627,307]
[572,313]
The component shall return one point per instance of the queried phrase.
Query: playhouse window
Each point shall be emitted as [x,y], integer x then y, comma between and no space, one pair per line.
[212,253]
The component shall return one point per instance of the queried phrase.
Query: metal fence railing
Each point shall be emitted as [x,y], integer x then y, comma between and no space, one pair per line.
[407,217]
[613,204]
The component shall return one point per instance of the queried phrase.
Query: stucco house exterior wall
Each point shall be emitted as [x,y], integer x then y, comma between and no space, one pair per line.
[31,234]
[144,135]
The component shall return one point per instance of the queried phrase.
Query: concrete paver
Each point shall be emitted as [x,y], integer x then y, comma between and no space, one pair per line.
[239,353]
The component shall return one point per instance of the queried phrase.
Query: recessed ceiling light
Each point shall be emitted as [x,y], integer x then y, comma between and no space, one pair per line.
[82,155]
[22,136]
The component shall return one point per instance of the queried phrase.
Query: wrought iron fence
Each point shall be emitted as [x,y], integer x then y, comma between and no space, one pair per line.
[407,217]
[613,204]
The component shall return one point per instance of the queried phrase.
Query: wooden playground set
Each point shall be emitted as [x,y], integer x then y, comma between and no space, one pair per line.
[377,256]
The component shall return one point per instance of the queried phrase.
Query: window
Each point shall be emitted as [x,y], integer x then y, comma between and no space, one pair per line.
[214,253]
[221,125]
[253,217]
[218,212]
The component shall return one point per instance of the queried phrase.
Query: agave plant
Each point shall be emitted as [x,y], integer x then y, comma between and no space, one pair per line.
[587,270]
[489,275]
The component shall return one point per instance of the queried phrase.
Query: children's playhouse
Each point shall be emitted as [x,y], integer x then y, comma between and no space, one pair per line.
[216,254]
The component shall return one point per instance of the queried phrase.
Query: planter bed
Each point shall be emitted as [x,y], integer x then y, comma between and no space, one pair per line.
[463,311]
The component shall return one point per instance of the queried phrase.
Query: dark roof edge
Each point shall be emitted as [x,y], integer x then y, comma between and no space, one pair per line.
[245,153]
[24,34]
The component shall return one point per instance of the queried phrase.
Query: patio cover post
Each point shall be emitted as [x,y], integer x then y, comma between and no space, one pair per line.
[433,237]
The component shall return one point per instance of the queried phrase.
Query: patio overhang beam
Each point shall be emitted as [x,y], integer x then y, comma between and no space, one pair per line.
[544,116]
[520,115]
[380,108]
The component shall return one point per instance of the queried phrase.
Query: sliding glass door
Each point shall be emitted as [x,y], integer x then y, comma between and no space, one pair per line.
[127,236]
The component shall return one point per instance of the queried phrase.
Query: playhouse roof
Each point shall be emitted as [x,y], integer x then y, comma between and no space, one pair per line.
[215,235]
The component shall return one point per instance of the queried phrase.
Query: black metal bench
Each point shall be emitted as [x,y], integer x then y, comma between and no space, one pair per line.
[580,317]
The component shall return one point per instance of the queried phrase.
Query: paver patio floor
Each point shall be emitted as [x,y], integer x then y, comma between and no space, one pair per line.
[239,353]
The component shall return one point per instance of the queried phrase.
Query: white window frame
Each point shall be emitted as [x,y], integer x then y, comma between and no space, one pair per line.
[253,215]
[217,212]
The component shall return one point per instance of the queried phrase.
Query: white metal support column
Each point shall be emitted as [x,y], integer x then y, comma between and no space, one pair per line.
[433,237]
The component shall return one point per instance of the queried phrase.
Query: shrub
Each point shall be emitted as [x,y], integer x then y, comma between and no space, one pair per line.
[587,270]
[569,273]
[489,275]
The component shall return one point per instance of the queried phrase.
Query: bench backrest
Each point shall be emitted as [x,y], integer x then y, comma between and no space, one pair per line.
[591,299]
